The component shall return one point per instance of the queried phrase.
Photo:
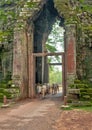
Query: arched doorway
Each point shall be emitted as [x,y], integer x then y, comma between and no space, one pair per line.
[42,28]
[29,44]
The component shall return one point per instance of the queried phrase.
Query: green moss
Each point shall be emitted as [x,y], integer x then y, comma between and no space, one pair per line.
[89,90]
[1,95]
[81,104]
[3,85]
[71,86]
[7,90]
[85,89]
[86,97]
[32,4]
[77,81]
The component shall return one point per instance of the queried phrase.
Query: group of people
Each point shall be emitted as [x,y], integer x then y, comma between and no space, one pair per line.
[44,89]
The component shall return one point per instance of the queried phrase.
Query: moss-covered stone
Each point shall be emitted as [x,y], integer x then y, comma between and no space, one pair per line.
[85,90]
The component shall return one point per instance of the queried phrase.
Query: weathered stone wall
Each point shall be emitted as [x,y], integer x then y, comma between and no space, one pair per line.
[20,63]
[84,58]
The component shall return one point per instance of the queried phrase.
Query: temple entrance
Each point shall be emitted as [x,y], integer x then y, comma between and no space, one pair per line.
[44,76]
[48,42]
[30,63]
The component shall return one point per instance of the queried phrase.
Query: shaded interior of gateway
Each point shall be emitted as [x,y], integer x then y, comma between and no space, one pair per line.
[42,28]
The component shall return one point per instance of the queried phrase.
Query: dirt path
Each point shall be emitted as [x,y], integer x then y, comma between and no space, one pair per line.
[31,115]
[74,120]
[44,115]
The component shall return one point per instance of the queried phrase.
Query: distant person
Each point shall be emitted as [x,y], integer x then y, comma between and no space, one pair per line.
[44,87]
[57,87]
[39,90]
[52,89]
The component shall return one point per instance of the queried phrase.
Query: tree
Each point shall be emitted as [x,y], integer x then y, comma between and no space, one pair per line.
[55,75]
[55,42]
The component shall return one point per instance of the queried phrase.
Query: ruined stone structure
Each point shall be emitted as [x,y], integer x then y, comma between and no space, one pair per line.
[28,47]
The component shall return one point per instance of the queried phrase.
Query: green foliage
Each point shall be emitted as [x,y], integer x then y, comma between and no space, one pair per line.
[55,40]
[81,1]
[8,90]
[12,14]
[86,108]
[31,4]
[78,13]
[85,89]
[51,48]
[76,81]
[3,85]
[1,97]
[12,11]
[81,104]
[86,97]
[8,76]
[55,76]
[4,92]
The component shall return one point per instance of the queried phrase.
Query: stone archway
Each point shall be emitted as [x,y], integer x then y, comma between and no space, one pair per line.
[31,39]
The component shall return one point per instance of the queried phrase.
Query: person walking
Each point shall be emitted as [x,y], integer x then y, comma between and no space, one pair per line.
[39,90]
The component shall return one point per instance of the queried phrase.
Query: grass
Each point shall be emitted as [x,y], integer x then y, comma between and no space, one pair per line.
[1,104]
[81,105]
[85,108]
[67,107]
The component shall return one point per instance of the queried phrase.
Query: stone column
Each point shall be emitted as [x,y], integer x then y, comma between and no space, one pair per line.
[31,62]
[17,53]
[70,51]
[20,73]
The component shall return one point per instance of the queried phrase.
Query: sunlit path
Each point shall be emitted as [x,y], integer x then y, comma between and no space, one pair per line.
[53,96]
[37,114]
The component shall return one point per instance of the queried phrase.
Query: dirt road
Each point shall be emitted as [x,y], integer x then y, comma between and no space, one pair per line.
[43,115]
[31,115]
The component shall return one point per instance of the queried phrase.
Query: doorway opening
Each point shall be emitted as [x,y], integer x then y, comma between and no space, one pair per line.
[55,45]
[55,71]
[48,56]
[48,42]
